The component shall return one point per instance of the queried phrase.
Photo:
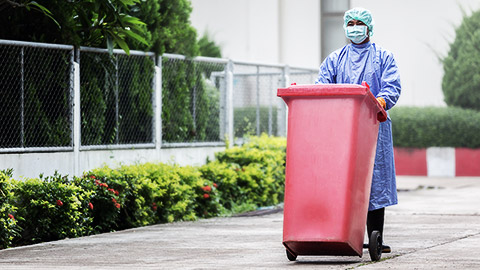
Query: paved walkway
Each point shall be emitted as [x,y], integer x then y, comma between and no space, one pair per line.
[436,225]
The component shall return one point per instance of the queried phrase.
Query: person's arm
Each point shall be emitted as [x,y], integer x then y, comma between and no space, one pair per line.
[390,81]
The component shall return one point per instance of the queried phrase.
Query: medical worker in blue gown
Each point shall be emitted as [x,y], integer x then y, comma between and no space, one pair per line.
[362,60]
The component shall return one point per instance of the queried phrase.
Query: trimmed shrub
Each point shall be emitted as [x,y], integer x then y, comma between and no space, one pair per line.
[435,127]
[260,167]
[104,203]
[150,193]
[225,177]
[106,199]
[8,223]
[52,209]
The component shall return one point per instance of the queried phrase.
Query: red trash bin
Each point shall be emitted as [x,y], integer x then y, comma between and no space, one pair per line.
[331,143]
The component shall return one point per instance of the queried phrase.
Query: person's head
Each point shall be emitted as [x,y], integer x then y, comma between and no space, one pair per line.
[358,25]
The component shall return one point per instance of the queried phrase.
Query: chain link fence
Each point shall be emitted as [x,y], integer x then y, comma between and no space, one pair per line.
[202,100]
[36,102]
[254,98]
[116,97]
[191,93]
[302,75]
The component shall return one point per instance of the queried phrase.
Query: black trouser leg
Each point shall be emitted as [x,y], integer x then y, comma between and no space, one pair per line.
[375,220]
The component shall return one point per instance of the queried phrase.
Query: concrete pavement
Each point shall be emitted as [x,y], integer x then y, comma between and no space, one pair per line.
[435,226]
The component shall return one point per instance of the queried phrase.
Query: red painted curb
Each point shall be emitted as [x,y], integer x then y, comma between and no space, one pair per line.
[467,162]
[410,161]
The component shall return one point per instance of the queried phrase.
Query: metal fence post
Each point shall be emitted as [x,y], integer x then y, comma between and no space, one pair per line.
[257,115]
[229,102]
[282,108]
[22,97]
[117,103]
[76,118]
[158,105]
[71,96]
[222,106]
[270,116]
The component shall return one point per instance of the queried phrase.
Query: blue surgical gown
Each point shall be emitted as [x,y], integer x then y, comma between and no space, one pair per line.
[354,64]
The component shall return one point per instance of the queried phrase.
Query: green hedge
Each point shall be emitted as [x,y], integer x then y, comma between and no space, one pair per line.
[435,126]
[8,223]
[50,209]
[106,199]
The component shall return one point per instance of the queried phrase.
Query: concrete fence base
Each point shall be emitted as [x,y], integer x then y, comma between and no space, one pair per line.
[437,161]
[29,165]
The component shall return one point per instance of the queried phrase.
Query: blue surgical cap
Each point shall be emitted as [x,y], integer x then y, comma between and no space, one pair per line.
[359,14]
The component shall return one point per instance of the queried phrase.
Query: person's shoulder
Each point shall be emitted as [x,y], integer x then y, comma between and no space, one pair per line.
[335,54]
[384,53]
[382,50]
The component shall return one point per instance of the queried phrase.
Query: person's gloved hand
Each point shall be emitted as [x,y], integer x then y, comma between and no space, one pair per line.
[382,102]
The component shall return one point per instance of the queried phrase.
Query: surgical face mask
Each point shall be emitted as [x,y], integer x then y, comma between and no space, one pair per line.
[357,33]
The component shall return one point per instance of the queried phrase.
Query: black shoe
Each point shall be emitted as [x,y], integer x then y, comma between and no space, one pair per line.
[386,249]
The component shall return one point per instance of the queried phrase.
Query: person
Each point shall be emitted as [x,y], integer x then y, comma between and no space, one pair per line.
[364,61]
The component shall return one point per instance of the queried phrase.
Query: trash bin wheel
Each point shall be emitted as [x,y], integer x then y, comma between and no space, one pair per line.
[375,246]
[290,256]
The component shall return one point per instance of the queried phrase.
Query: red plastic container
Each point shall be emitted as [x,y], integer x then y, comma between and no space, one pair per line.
[331,142]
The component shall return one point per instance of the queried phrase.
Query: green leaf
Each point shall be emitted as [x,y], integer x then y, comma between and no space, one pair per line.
[129,2]
[44,10]
[136,36]
[122,44]
[132,20]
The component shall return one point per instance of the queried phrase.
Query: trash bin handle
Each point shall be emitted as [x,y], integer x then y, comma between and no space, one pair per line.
[382,114]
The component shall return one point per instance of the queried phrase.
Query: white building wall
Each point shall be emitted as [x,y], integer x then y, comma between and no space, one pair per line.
[266,31]
[245,30]
[299,29]
[288,32]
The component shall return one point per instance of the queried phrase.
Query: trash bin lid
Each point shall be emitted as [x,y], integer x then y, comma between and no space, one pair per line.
[332,90]
[324,90]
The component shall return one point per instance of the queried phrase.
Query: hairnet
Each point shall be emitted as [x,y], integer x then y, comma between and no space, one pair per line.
[359,14]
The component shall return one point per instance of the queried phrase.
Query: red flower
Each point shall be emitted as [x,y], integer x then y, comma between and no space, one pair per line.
[59,203]
[113,200]
[103,185]
[215,185]
[92,176]
[154,206]
[116,192]
[111,190]
[97,182]
[11,216]
[90,205]
[117,205]
[207,188]
[206,196]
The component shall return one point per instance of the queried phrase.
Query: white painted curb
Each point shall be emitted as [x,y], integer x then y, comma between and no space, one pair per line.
[441,161]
